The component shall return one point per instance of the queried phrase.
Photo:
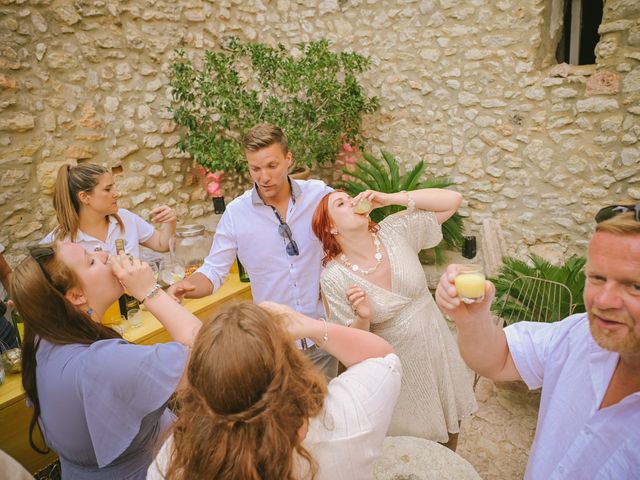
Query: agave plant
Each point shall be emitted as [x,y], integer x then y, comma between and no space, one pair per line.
[521,296]
[371,173]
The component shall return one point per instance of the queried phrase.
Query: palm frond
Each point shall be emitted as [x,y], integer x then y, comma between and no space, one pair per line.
[393,167]
[453,231]
[372,167]
[410,180]
[539,290]
[381,169]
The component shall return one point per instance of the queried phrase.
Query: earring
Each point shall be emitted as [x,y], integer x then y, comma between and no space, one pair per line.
[90,311]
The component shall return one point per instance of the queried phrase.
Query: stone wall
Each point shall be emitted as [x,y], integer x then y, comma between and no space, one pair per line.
[469,86]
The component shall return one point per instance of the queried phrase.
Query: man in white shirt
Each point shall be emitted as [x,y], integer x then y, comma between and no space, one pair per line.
[269,229]
[588,365]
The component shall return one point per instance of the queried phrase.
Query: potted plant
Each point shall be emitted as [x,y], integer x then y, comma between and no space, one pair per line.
[313,94]
[519,296]
[369,172]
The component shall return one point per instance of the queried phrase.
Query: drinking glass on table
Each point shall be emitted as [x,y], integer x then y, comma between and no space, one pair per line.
[120,324]
[170,272]
[156,270]
[470,283]
[135,317]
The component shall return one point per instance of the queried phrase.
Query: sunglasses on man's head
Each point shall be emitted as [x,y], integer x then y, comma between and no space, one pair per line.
[292,246]
[612,210]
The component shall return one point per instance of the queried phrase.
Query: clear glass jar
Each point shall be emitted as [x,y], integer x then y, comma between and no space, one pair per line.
[190,246]
[12,360]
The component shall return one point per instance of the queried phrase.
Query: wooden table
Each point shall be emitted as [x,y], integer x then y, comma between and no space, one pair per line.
[15,415]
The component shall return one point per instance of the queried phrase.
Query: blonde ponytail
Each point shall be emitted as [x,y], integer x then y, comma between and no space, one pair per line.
[69,183]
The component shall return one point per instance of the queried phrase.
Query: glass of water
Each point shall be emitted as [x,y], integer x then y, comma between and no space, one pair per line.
[120,324]
[135,317]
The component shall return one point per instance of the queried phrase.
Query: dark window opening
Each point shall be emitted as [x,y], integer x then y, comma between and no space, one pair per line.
[580,32]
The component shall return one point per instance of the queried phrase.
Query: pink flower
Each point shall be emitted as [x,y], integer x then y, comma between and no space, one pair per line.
[214,189]
[212,183]
[348,148]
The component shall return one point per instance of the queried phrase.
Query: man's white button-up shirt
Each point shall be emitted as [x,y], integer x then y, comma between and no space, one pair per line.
[574,438]
[249,228]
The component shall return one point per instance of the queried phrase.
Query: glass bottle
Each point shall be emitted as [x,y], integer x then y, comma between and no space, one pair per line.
[126,302]
[469,247]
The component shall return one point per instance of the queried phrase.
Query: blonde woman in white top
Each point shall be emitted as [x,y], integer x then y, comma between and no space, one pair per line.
[85,199]
[255,407]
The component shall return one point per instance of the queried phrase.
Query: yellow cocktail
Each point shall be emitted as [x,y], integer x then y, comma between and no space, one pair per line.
[470,284]
[362,207]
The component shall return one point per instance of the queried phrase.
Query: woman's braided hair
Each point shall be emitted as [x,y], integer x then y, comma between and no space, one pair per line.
[249,393]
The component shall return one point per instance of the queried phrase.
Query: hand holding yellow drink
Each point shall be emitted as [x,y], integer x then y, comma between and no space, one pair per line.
[470,283]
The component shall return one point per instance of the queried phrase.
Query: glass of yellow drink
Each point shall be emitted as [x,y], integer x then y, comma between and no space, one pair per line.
[362,207]
[470,283]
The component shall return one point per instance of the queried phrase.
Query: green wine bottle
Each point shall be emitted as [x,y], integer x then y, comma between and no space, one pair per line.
[244,277]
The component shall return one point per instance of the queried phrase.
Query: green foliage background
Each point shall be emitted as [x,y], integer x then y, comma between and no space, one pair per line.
[314,97]
[514,303]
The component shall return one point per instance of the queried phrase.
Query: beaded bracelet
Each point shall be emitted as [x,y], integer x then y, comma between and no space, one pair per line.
[152,293]
[411,203]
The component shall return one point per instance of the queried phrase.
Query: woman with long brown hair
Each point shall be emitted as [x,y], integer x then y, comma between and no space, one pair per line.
[254,407]
[99,401]
[373,280]
[85,199]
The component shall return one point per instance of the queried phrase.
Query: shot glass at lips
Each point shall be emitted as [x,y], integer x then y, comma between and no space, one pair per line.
[362,207]
[135,317]
[470,283]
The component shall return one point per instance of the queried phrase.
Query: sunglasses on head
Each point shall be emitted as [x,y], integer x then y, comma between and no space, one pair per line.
[39,253]
[612,210]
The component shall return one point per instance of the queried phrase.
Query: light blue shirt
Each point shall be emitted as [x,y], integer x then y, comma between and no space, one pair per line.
[574,438]
[249,228]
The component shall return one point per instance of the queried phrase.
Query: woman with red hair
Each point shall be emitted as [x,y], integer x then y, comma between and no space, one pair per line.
[373,280]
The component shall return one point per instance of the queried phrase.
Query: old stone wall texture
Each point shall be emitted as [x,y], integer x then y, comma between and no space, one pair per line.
[467,85]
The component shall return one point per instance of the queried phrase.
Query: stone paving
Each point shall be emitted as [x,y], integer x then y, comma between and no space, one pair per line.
[497,439]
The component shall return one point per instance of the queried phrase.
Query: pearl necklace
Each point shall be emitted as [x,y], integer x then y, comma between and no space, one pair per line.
[356,268]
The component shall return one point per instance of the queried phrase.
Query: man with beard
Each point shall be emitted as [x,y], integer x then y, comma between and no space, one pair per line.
[588,364]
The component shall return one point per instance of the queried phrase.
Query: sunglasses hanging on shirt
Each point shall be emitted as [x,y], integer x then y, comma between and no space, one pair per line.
[285,231]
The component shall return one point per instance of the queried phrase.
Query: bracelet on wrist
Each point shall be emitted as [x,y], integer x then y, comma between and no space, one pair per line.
[411,203]
[152,293]
[325,337]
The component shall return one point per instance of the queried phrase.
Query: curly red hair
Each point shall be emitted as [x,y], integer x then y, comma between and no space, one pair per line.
[321,226]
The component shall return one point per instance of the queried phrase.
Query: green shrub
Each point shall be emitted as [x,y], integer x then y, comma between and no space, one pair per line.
[314,97]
